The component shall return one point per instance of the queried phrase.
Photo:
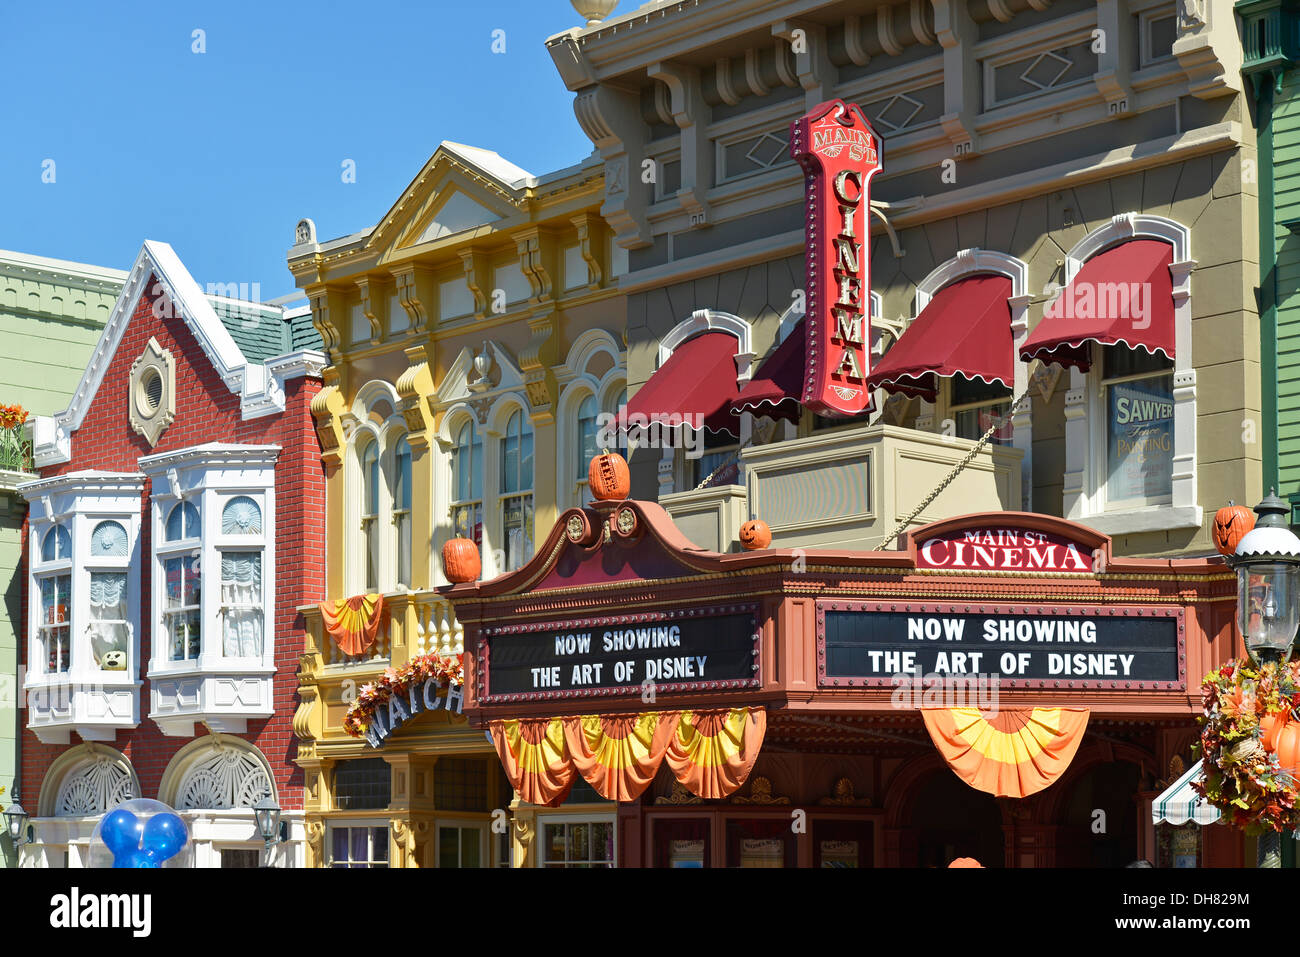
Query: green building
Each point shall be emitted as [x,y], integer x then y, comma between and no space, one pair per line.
[51,316]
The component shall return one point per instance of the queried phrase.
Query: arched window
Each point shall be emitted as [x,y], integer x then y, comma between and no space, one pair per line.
[54,624]
[516,502]
[370,512]
[183,576]
[467,484]
[587,449]
[402,508]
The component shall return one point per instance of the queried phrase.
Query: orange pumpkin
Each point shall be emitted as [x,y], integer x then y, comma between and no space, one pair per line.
[460,560]
[1269,726]
[1231,523]
[1288,747]
[609,477]
[755,534]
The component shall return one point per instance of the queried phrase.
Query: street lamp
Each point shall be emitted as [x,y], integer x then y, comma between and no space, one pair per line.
[1267,562]
[20,832]
[269,825]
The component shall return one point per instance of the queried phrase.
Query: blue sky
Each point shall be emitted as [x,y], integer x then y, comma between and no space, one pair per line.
[221,153]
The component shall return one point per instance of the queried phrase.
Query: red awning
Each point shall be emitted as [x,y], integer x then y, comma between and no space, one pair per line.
[699,379]
[964,329]
[775,388]
[1124,296]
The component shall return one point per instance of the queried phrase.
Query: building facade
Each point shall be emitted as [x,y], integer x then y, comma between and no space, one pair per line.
[475,335]
[187,452]
[43,302]
[1062,256]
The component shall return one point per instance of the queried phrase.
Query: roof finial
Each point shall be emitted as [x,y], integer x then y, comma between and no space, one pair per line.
[594,11]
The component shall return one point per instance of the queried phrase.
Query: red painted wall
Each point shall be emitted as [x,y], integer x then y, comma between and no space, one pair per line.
[206,411]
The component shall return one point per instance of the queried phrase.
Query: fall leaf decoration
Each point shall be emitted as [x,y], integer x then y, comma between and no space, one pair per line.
[398,681]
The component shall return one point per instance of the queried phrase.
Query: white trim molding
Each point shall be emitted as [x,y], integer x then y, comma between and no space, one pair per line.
[1084,494]
[260,388]
[711,320]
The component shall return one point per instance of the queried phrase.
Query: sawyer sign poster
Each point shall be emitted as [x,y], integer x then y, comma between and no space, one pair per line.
[695,650]
[1126,648]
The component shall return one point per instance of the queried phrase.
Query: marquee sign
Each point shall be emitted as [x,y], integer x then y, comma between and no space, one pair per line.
[839,153]
[870,643]
[698,649]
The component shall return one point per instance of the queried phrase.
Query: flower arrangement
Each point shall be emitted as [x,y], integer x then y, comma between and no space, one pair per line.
[1244,778]
[398,681]
[15,453]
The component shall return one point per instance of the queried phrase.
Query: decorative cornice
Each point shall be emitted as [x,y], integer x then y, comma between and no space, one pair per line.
[212,453]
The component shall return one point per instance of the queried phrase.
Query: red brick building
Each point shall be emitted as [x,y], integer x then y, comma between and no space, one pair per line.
[172,535]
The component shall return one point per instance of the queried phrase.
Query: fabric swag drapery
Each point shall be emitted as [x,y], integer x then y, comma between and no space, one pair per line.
[710,752]
[1014,753]
[353,622]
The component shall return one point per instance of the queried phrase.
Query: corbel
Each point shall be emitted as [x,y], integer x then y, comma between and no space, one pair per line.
[536,360]
[853,45]
[588,235]
[611,118]
[327,306]
[416,290]
[691,114]
[727,91]
[1117,54]
[476,278]
[327,406]
[812,63]
[375,292]
[536,261]
[412,386]
[956,33]
[1208,49]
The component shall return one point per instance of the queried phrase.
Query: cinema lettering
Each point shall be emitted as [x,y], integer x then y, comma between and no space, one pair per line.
[1004,549]
[839,153]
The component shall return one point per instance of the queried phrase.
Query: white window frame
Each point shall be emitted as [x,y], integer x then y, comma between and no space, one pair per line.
[181,548]
[574,817]
[1085,413]
[972,262]
[459,421]
[494,535]
[485,846]
[85,698]
[334,825]
[209,477]
[362,428]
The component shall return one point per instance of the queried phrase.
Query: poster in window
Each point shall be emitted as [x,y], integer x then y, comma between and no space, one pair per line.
[686,854]
[768,852]
[997,415]
[839,854]
[1140,420]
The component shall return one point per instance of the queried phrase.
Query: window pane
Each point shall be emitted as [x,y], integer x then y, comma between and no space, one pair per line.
[403,523]
[241,598]
[379,843]
[362,784]
[340,845]
[1140,440]
[468,522]
[370,480]
[359,851]
[448,847]
[175,574]
[1120,361]
[517,525]
[526,458]
[973,423]
[965,391]
[510,456]
[586,437]
[108,630]
[183,522]
[469,845]
[57,545]
[402,492]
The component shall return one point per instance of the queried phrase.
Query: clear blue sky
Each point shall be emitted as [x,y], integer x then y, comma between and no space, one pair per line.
[221,153]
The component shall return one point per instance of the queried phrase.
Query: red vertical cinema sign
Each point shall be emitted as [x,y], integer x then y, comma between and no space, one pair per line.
[839,153]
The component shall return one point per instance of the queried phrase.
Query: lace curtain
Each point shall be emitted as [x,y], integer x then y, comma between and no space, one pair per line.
[108,629]
[241,598]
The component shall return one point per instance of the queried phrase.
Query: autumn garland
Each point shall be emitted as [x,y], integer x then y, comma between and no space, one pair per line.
[1243,779]
[398,681]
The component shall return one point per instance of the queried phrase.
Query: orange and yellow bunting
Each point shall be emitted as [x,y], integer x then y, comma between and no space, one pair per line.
[1014,753]
[619,754]
[353,622]
[535,758]
[713,752]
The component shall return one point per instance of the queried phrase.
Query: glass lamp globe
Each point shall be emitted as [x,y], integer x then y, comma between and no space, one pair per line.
[1267,561]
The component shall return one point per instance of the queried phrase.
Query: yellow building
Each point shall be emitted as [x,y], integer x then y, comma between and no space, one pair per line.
[475,334]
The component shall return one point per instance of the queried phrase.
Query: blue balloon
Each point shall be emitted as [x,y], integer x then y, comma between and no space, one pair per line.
[164,836]
[121,832]
[139,858]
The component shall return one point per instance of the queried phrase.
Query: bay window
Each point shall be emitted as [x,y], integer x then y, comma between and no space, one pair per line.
[516,503]
[213,658]
[467,484]
[83,611]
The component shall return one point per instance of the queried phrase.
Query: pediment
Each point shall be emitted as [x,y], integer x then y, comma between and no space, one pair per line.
[478,374]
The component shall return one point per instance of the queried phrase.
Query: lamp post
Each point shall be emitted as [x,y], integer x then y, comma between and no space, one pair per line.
[1267,562]
[269,825]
